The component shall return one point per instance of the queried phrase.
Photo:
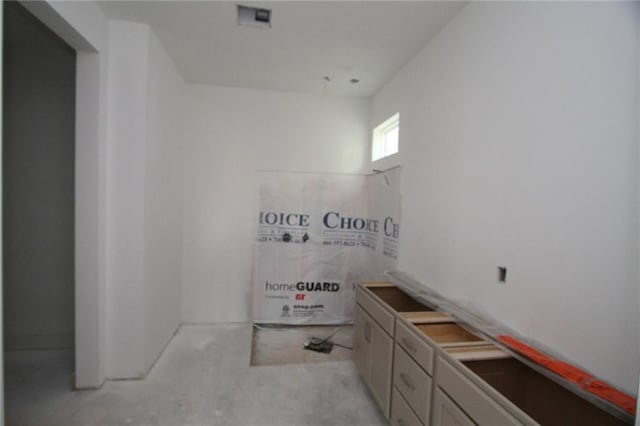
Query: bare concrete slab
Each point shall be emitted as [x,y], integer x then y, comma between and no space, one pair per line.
[203,378]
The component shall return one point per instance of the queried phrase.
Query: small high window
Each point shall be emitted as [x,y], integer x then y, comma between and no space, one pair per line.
[385,138]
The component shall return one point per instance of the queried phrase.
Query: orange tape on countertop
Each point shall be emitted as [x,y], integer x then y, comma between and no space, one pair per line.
[580,377]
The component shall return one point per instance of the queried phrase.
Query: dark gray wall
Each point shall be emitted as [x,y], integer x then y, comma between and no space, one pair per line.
[38,184]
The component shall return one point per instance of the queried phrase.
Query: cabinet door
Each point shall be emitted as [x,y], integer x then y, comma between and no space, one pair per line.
[381,366]
[447,413]
[401,414]
[362,332]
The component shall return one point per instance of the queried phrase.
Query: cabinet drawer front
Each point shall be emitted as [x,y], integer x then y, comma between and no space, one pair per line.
[418,349]
[474,401]
[447,413]
[377,312]
[413,383]
[401,414]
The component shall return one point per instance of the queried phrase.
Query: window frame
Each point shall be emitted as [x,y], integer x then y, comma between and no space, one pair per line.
[379,143]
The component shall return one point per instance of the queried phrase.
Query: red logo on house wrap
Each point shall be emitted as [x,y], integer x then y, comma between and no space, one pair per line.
[300,296]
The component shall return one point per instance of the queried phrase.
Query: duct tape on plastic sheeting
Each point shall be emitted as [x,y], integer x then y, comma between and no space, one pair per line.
[317,235]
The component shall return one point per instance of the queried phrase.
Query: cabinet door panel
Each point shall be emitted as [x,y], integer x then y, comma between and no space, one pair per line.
[361,344]
[381,365]
[447,413]
[401,414]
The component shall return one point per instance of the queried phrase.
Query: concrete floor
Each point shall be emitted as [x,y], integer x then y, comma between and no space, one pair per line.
[203,378]
[285,345]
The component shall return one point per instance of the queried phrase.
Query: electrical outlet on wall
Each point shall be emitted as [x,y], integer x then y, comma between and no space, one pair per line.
[502,274]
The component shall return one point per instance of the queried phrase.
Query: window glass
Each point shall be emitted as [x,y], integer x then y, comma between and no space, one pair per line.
[386,138]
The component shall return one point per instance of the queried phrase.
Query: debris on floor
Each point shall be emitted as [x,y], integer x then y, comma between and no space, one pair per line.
[286,344]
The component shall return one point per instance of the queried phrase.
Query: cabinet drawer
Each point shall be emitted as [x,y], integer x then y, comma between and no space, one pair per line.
[447,413]
[418,349]
[377,312]
[413,383]
[401,414]
[474,401]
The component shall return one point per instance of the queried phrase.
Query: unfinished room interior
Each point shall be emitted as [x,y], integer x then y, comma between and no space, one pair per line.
[403,213]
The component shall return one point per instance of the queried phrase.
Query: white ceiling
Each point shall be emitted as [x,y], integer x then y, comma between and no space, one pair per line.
[308,40]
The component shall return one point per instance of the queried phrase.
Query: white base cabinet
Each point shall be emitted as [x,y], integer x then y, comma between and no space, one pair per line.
[373,355]
[425,369]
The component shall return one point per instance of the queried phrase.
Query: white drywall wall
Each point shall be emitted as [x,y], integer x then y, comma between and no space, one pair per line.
[139,328]
[163,201]
[638,190]
[229,134]
[84,26]
[81,24]
[128,61]
[1,232]
[519,146]
[145,196]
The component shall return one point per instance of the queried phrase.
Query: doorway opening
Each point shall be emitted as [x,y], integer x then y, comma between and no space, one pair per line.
[38,184]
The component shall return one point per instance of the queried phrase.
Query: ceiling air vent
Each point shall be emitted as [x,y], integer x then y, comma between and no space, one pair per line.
[254,17]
